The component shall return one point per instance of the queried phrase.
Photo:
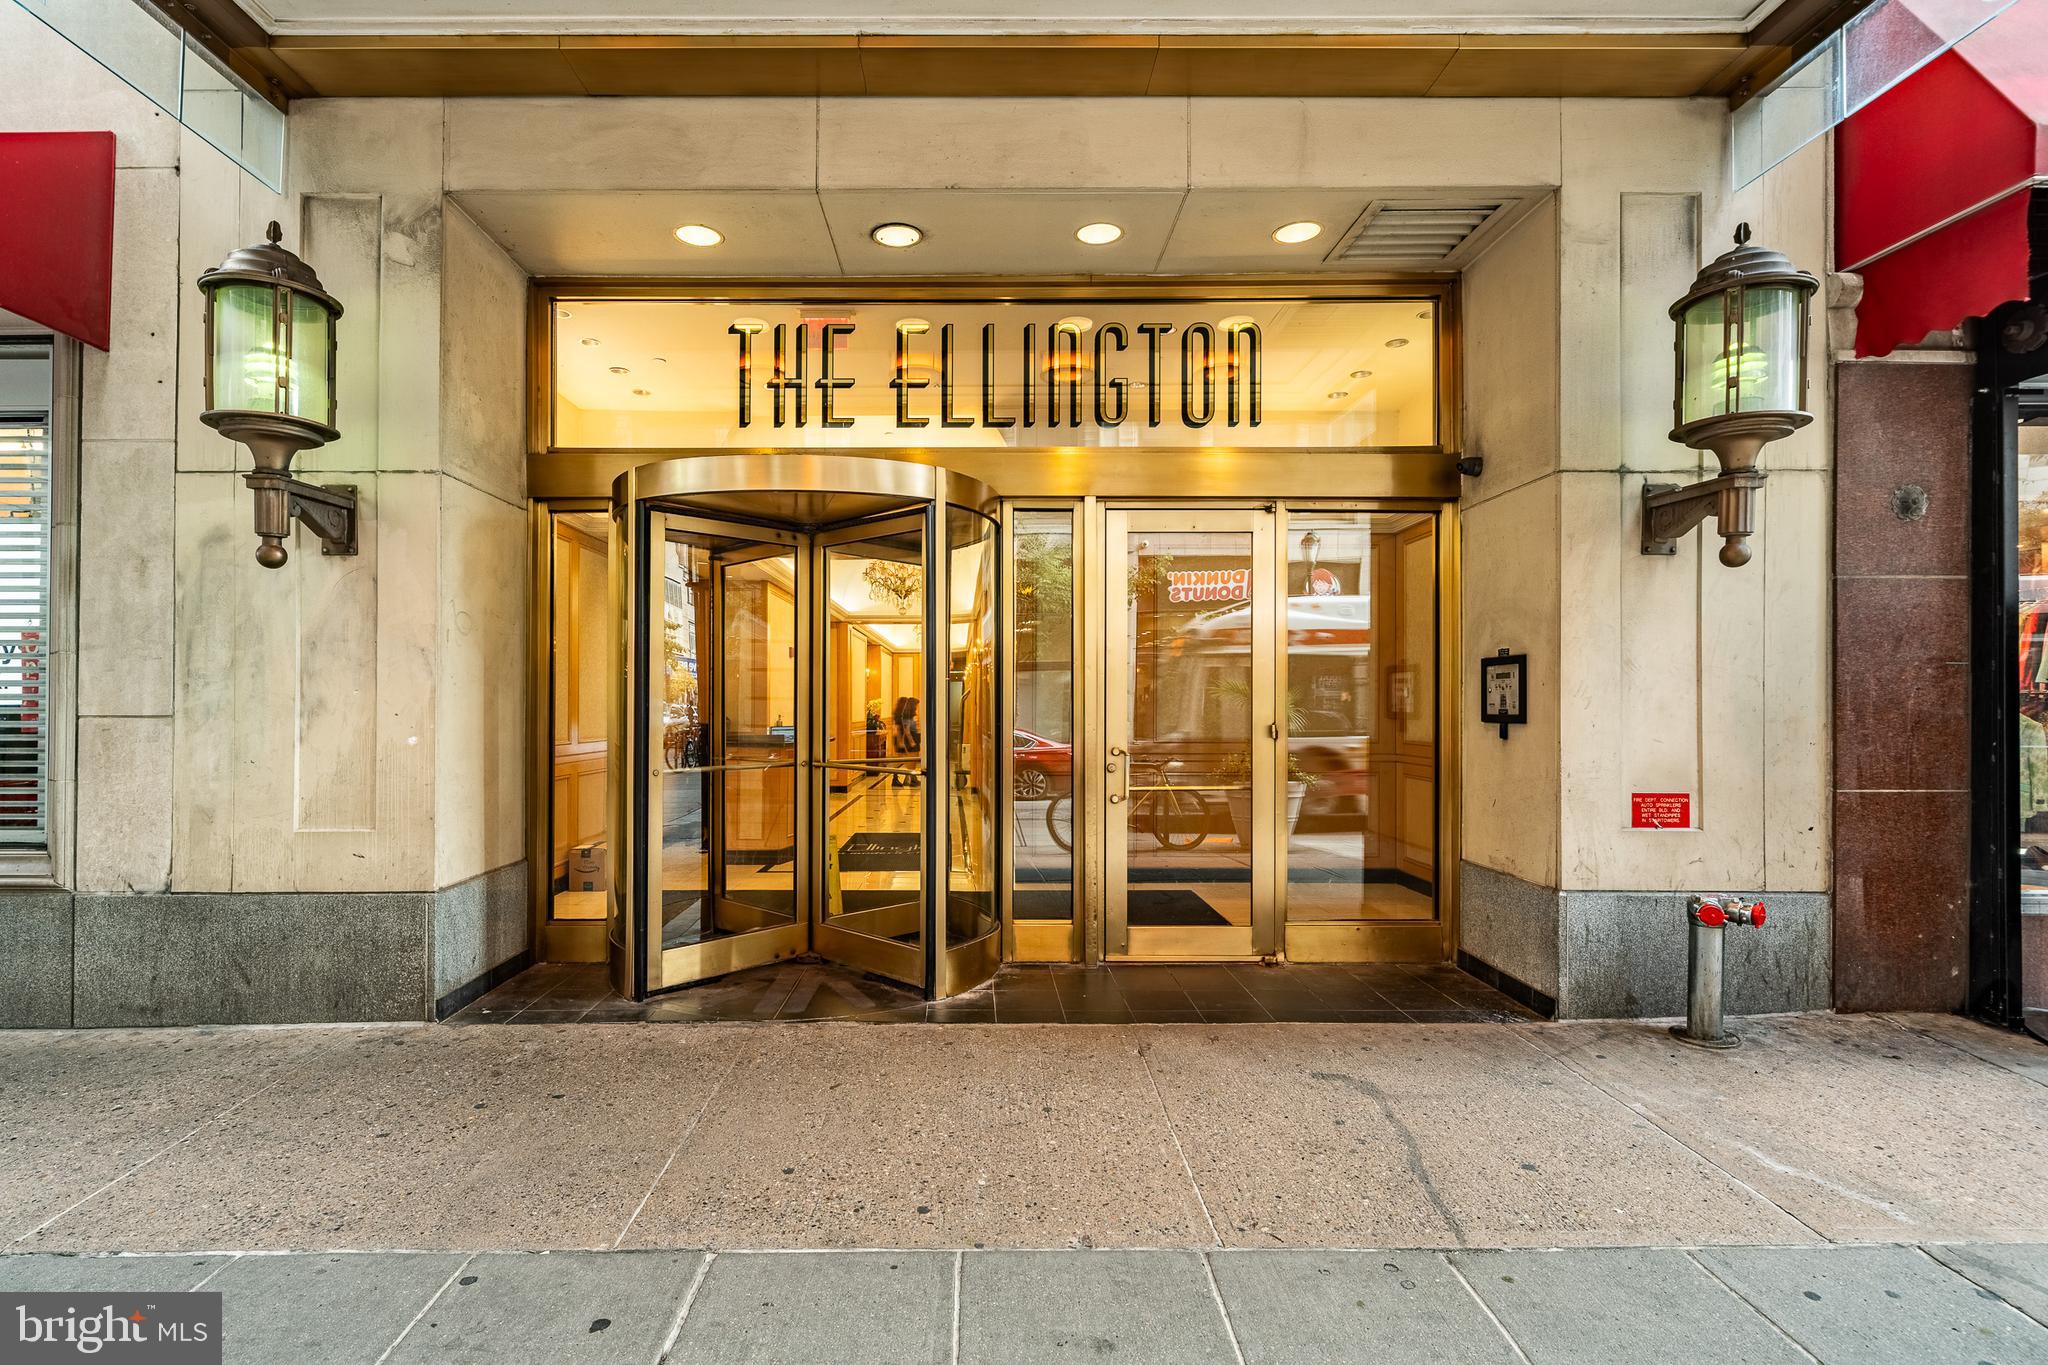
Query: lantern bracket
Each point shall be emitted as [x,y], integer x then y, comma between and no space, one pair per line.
[1672,511]
[329,512]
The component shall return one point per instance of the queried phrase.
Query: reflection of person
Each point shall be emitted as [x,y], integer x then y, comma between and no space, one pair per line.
[909,740]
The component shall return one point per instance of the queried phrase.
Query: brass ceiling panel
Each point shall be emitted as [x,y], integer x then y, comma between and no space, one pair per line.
[386,65]
[716,65]
[1586,65]
[1280,65]
[1103,65]
[1360,66]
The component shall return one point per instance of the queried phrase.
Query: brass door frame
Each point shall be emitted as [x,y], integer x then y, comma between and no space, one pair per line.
[1047,940]
[697,961]
[1369,941]
[883,956]
[554,940]
[1111,743]
[1380,940]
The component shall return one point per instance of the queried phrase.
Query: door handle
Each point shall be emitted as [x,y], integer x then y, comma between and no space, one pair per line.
[1116,751]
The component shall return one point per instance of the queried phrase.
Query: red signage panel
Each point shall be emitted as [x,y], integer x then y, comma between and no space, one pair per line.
[1660,810]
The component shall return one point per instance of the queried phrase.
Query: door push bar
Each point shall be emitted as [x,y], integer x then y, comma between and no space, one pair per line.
[1708,918]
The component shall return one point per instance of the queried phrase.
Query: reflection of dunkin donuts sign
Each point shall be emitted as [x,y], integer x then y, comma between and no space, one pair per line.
[1208,585]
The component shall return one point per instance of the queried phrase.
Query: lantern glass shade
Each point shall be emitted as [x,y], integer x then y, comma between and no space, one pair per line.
[1740,352]
[244,348]
[262,332]
[1703,337]
[1767,367]
[308,393]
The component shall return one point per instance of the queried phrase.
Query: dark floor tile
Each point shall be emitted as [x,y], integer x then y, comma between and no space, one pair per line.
[616,1014]
[1227,1014]
[537,1016]
[1176,1002]
[982,1011]
[902,1014]
[1453,1016]
[1009,1011]
[1166,1016]
[1090,1015]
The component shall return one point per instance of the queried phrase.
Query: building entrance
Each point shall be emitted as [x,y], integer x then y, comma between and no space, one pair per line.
[809,753]
[1236,733]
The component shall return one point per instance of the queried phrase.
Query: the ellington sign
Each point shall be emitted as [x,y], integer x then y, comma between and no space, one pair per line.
[1123,373]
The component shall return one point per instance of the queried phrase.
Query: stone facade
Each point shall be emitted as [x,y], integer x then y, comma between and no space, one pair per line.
[333,754]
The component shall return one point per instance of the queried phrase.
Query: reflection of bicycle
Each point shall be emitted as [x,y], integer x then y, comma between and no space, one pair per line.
[1177,818]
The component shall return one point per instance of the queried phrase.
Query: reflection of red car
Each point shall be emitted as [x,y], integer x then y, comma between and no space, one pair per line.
[1039,766]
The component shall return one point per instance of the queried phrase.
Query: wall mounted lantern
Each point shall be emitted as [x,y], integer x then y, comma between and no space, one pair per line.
[270,386]
[1741,385]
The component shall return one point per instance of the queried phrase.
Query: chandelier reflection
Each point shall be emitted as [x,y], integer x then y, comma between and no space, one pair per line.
[896,583]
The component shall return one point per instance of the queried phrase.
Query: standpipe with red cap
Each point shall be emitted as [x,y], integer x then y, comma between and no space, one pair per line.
[1708,918]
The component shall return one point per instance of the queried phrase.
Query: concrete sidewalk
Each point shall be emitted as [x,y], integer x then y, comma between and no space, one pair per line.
[1841,1188]
[1912,1305]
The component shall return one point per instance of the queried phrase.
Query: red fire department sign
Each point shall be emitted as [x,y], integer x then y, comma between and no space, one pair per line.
[1660,810]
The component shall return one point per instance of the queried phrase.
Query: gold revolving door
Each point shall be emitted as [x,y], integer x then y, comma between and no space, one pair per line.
[806,760]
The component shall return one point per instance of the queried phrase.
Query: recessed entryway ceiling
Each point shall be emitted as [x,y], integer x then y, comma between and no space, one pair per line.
[1001,16]
[805,234]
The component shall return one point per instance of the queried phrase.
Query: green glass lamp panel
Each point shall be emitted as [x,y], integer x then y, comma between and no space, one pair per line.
[1767,368]
[1703,369]
[244,348]
[310,394]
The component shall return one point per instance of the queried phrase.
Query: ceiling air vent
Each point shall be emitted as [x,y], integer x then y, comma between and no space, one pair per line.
[1424,234]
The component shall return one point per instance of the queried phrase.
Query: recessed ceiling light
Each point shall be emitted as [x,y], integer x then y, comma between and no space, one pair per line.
[912,325]
[750,324]
[897,235]
[696,234]
[590,341]
[1397,343]
[1076,324]
[642,393]
[1238,322]
[1361,374]
[1098,234]
[618,369]
[1287,234]
[1424,315]
[1340,393]
[561,312]
[661,360]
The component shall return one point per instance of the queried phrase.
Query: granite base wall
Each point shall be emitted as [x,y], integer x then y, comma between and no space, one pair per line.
[99,961]
[1622,954]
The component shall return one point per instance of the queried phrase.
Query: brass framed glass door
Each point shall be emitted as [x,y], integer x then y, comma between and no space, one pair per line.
[728,667]
[1188,824]
[875,723]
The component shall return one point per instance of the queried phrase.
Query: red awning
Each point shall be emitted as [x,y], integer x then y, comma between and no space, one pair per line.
[57,237]
[1934,179]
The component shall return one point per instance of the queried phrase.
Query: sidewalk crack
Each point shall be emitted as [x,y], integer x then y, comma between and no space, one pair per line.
[675,1331]
[695,1119]
[425,1308]
[1216,1292]
[1671,1135]
[1174,1133]
[1752,1306]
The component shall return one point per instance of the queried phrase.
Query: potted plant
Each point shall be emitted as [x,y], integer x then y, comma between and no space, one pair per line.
[1236,775]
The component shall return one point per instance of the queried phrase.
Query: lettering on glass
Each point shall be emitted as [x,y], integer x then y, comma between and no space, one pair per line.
[1208,585]
[1218,374]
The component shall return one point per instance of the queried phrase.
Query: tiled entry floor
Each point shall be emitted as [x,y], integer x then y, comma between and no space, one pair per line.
[1022,993]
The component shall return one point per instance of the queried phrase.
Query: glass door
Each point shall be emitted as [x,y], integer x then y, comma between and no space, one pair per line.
[874,763]
[726,837]
[1191,733]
